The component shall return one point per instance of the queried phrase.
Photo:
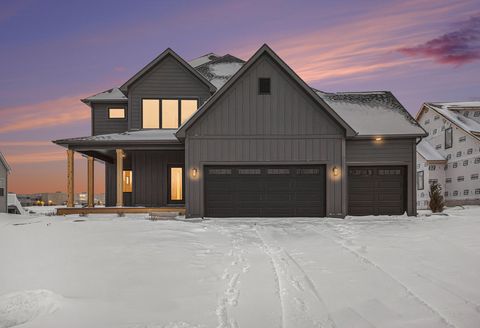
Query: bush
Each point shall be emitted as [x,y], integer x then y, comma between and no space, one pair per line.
[436,203]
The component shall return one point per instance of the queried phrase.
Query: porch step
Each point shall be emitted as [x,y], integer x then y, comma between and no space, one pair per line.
[163,215]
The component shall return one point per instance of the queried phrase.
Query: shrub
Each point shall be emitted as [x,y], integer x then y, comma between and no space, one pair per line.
[436,203]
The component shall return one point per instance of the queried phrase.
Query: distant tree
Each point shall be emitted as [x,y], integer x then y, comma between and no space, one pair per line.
[436,203]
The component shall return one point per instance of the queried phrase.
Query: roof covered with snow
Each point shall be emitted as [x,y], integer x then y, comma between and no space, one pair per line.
[4,162]
[376,113]
[113,94]
[218,71]
[449,111]
[428,152]
[157,135]
[203,59]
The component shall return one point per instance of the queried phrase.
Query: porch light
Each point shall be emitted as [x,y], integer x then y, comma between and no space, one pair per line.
[378,139]
[194,173]
[336,171]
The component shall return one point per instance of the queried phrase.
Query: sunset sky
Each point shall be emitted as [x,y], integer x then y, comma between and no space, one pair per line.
[52,53]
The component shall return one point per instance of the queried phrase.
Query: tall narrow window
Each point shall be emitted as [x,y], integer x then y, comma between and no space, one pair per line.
[176,183]
[151,113]
[448,138]
[169,114]
[127,181]
[188,106]
[420,180]
[116,113]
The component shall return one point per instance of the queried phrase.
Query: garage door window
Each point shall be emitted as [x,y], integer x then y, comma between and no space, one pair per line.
[249,171]
[278,171]
[389,172]
[308,171]
[361,172]
[219,171]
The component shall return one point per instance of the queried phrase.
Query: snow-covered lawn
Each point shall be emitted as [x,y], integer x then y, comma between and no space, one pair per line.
[130,272]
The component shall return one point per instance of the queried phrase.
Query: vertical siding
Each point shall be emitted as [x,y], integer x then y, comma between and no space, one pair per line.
[102,124]
[169,79]
[286,127]
[110,184]
[387,152]
[3,184]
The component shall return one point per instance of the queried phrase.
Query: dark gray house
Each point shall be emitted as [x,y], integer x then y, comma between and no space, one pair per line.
[4,171]
[223,137]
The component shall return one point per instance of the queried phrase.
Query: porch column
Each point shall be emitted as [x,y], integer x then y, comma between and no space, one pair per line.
[91,175]
[70,179]
[119,177]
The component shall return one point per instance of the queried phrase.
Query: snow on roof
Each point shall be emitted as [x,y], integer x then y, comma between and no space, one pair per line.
[428,152]
[459,105]
[163,135]
[203,59]
[4,161]
[220,70]
[372,113]
[113,94]
[448,110]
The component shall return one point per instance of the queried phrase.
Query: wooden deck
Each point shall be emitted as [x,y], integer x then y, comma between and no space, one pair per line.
[117,210]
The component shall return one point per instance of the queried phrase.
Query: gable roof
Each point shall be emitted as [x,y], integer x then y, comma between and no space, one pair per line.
[427,151]
[111,95]
[219,70]
[264,50]
[449,112]
[153,63]
[4,162]
[373,113]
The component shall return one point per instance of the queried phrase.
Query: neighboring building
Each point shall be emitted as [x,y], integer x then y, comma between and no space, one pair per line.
[53,198]
[28,199]
[4,172]
[450,154]
[224,137]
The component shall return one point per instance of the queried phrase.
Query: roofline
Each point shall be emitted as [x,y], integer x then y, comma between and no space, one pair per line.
[388,136]
[5,163]
[429,105]
[433,161]
[103,101]
[124,87]
[263,49]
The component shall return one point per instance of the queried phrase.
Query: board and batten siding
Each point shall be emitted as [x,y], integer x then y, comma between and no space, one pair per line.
[101,124]
[4,185]
[168,79]
[387,152]
[243,127]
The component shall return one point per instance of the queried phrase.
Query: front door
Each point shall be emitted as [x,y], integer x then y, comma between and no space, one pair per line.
[176,184]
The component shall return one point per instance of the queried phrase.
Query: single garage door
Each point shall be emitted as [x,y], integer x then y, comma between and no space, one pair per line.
[376,190]
[264,191]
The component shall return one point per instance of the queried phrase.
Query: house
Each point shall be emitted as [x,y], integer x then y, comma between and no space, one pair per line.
[223,138]
[4,171]
[450,155]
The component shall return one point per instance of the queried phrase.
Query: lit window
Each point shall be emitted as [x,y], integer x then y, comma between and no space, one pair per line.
[116,113]
[176,183]
[151,113]
[127,181]
[188,107]
[169,114]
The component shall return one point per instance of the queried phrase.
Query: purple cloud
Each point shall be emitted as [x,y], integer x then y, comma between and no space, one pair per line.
[458,47]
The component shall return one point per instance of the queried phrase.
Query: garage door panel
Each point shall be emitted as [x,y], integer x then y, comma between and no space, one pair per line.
[270,191]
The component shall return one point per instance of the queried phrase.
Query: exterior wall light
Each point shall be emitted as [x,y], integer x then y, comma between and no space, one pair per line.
[194,172]
[378,139]
[336,171]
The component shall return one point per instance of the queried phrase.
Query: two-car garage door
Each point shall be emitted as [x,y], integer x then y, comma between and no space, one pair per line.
[264,191]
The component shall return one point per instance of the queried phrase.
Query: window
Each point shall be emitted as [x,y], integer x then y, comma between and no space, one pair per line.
[470,151]
[462,139]
[445,193]
[176,184]
[474,176]
[477,160]
[360,172]
[448,138]
[219,171]
[477,191]
[264,86]
[420,182]
[389,172]
[461,178]
[455,165]
[438,146]
[427,122]
[188,108]
[455,193]
[445,167]
[465,114]
[150,113]
[249,171]
[465,192]
[434,131]
[127,181]
[308,171]
[117,113]
[476,114]
[449,156]
[465,162]
[278,171]
[2,192]
[432,167]
[443,127]
[459,153]
[448,180]
[436,117]
[167,113]
[432,181]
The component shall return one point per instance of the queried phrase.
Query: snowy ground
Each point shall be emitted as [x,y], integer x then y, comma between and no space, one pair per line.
[133,273]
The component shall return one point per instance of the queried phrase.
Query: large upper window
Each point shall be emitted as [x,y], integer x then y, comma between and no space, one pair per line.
[448,138]
[116,113]
[166,113]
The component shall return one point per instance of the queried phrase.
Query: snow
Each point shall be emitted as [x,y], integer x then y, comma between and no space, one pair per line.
[457,118]
[141,135]
[109,271]
[220,70]
[428,152]
[111,94]
[375,113]
[203,59]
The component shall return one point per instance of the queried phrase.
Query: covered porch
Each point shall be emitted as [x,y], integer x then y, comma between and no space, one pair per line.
[144,172]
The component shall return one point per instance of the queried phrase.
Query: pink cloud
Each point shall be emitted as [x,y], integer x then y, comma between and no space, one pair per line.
[459,47]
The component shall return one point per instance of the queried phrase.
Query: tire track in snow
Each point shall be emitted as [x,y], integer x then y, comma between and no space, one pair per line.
[365,260]
[300,301]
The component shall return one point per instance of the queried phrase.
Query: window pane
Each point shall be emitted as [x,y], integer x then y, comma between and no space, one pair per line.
[127,181]
[176,183]
[189,107]
[116,113]
[151,113]
[169,114]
